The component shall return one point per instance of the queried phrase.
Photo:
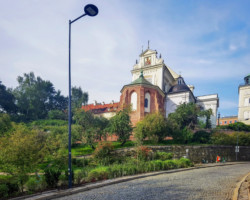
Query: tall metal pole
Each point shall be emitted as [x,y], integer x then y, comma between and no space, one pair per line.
[90,10]
[69,112]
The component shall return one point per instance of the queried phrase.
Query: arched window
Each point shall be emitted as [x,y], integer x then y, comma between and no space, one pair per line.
[134,101]
[147,102]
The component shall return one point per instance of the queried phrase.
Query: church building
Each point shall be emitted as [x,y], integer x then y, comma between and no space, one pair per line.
[244,101]
[155,87]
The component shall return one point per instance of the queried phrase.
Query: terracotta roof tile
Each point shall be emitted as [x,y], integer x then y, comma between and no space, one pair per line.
[101,108]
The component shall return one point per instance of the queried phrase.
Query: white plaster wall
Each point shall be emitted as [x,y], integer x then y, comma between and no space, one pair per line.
[173,100]
[107,115]
[207,102]
[244,107]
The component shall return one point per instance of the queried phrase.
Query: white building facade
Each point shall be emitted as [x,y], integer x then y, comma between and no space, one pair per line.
[173,85]
[244,101]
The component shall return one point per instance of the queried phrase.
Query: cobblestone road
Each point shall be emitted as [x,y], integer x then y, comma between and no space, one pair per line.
[216,183]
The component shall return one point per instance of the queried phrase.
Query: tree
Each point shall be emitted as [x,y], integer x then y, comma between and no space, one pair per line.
[57,114]
[121,125]
[207,114]
[5,124]
[21,152]
[182,121]
[59,102]
[186,115]
[36,97]
[7,100]
[79,97]
[93,128]
[152,126]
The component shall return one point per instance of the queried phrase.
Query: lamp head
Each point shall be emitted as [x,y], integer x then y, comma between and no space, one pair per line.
[91,10]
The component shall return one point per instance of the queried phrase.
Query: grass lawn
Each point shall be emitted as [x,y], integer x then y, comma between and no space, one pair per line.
[83,149]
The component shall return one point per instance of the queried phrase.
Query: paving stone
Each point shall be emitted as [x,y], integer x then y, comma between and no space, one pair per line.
[215,183]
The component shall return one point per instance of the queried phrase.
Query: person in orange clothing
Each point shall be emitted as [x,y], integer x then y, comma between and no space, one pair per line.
[218,159]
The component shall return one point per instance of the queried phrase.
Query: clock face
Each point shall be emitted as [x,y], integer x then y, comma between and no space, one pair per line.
[147,61]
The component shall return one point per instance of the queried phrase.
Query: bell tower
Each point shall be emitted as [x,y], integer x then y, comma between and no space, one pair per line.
[154,69]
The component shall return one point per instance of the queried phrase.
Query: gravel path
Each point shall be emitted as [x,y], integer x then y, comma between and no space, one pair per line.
[216,183]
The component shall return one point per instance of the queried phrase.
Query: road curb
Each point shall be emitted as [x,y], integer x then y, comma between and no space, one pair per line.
[238,186]
[61,193]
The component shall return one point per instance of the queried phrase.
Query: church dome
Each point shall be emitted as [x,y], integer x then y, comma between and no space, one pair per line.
[180,87]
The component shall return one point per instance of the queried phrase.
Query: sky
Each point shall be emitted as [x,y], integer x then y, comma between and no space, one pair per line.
[207,41]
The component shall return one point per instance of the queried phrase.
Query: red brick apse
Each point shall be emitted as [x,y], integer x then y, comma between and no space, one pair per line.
[142,87]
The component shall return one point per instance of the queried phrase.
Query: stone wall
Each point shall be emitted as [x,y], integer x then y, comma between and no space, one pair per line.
[197,153]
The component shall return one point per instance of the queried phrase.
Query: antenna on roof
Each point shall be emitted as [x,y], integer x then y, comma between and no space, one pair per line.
[142,48]
[148,44]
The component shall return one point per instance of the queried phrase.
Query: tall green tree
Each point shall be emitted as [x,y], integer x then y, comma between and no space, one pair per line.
[36,97]
[182,121]
[79,97]
[153,126]
[5,124]
[186,115]
[21,152]
[207,115]
[93,128]
[7,100]
[121,125]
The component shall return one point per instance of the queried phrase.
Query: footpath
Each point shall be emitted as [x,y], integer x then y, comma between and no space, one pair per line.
[241,191]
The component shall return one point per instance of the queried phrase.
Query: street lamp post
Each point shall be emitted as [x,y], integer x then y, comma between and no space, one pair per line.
[90,10]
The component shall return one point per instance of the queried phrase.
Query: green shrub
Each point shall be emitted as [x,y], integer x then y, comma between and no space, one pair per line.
[184,162]
[129,169]
[202,137]
[49,122]
[63,180]
[99,173]
[224,139]
[115,171]
[239,126]
[57,114]
[170,164]
[163,156]
[79,176]
[35,184]
[52,175]
[80,162]
[157,165]
[144,153]
[103,153]
[243,138]
[221,138]
[4,190]
[12,186]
